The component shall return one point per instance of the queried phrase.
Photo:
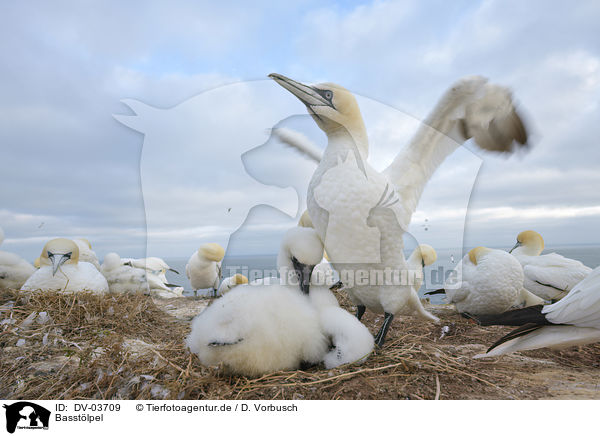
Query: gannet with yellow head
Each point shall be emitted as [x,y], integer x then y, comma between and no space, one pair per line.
[231,282]
[204,267]
[340,205]
[574,320]
[487,281]
[61,270]
[86,254]
[549,276]
[14,270]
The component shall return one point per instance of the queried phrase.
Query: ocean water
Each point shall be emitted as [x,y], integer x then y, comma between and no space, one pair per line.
[266,265]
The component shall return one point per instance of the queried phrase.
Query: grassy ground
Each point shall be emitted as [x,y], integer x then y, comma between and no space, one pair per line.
[131,347]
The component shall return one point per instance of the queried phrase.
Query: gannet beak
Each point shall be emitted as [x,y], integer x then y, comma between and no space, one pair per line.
[175,271]
[304,272]
[57,260]
[518,244]
[308,95]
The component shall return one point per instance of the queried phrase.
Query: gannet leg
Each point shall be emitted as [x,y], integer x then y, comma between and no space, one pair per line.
[380,338]
[360,311]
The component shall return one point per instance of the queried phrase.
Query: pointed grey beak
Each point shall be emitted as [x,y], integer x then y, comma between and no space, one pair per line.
[308,95]
[175,271]
[518,244]
[57,260]
[304,272]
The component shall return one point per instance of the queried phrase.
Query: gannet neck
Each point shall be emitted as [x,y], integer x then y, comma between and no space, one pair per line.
[477,253]
[530,243]
[343,139]
[423,253]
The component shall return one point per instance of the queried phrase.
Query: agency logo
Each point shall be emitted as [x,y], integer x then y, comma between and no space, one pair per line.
[26,415]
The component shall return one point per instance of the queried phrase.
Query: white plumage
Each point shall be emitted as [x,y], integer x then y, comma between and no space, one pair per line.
[487,281]
[231,282]
[14,270]
[261,328]
[344,188]
[423,255]
[61,270]
[351,341]
[86,254]
[126,279]
[153,264]
[258,329]
[549,276]
[577,319]
[204,267]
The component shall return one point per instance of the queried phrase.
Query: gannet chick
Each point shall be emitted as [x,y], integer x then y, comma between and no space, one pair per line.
[549,276]
[126,279]
[351,341]
[14,270]
[86,254]
[574,320]
[231,282]
[344,187]
[255,330]
[487,281]
[61,270]
[204,267]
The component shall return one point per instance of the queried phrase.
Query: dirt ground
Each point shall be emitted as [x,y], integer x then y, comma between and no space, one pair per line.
[82,346]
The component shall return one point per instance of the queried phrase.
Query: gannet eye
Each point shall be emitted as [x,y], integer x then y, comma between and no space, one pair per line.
[328,95]
[50,255]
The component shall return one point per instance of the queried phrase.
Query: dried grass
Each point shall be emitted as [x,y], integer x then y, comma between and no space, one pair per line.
[110,347]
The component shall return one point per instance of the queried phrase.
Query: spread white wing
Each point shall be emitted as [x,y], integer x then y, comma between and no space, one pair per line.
[471,108]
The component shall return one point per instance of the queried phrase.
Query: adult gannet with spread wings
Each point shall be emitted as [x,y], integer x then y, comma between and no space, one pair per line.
[344,187]
[574,320]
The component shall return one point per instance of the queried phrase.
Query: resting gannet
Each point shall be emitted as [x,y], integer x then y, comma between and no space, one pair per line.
[344,188]
[127,279]
[14,270]
[231,282]
[60,269]
[574,320]
[86,254]
[549,276]
[204,267]
[153,264]
[487,281]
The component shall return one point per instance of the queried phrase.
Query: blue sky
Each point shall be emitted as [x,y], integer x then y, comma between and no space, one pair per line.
[70,169]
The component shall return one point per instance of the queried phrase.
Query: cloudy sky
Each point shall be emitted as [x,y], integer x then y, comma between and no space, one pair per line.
[192,77]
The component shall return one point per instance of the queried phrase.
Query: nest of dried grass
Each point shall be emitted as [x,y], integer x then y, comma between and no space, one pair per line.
[125,347]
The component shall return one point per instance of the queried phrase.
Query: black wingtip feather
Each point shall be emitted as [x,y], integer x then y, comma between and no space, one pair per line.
[518,332]
[517,317]
[437,291]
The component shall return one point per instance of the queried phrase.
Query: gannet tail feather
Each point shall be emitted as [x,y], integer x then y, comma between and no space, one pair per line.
[298,141]
[471,108]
